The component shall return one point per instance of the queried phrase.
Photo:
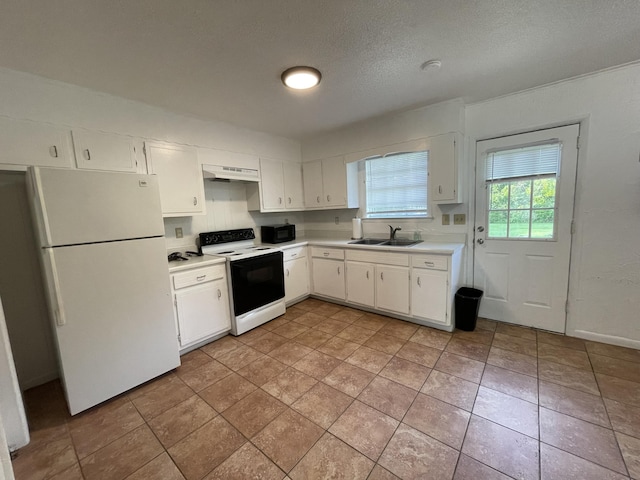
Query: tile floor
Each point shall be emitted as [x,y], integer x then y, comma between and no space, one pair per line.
[331,392]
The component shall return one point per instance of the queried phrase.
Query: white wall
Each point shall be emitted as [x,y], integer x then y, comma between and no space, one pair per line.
[391,129]
[604,291]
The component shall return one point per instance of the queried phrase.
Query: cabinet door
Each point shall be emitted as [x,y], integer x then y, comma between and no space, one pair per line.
[429,294]
[328,278]
[27,143]
[392,288]
[293,194]
[360,283]
[296,279]
[179,178]
[104,151]
[443,168]
[334,181]
[312,181]
[271,185]
[202,311]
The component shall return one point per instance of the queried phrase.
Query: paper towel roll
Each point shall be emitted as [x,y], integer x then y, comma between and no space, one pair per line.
[356,233]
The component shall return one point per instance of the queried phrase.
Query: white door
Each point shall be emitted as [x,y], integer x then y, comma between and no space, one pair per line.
[360,283]
[272,184]
[392,288]
[334,181]
[294,197]
[429,294]
[525,188]
[328,277]
[104,151]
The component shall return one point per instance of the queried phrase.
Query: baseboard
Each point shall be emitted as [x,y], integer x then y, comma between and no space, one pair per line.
[39,380]
[610,339]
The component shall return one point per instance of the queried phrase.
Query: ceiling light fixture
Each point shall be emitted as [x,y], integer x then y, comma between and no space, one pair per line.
[431,65]
[301,78]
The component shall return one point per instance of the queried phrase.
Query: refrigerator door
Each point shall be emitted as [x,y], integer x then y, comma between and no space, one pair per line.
[74,206]
[114,323]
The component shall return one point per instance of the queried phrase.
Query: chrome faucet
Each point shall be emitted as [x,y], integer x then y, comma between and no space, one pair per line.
[392,232]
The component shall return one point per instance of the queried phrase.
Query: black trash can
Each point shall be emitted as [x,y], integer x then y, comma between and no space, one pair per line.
[467,306]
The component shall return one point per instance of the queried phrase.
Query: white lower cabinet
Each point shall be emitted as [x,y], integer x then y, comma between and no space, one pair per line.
[429,294]
[201,302]
[296,274]
[361,283]
[392,288]
[327,266]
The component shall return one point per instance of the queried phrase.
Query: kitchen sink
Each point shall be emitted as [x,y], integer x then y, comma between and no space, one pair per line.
[369,241]
[397,242]
[400,242]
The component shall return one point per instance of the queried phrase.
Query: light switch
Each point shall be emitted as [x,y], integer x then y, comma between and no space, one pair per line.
[459,218]
[178,232]
[445,219]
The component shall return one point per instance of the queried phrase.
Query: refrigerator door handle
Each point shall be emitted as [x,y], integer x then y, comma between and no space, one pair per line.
[59,306]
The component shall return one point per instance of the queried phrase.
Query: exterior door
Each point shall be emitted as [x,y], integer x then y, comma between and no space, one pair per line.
[525,187]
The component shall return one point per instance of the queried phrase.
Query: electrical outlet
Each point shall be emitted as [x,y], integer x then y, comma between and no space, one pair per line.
[445,219]
[337,220]
[286,221]
[459,218]
[178,232]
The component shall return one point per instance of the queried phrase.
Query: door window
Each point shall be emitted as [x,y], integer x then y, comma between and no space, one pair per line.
[521,192]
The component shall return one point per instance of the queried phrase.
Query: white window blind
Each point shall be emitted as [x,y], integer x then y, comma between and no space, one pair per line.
[396,185]
[530,161]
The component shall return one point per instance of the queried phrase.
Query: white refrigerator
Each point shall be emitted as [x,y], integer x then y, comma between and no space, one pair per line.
[106,278]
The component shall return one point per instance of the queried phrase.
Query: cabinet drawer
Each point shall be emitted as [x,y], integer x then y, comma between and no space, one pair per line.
[334,253]
[293,253]
[385,258]
[198,275]
[434,262]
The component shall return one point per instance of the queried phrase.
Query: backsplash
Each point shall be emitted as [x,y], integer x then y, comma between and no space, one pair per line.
[226,206]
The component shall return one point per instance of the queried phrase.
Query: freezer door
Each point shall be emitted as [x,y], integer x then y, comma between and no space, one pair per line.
[113,317]
[75,206]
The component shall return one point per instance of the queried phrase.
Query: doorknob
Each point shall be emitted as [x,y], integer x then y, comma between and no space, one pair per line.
[480,241]
[480,228]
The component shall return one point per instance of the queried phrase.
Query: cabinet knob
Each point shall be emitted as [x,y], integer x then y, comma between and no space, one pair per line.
[419,281]
[429,264]
[367,274]
[338,270]
[381,275]
[328,198]
[201,277]
[219,293]
[87,154]
[195,200]
[287,270]
[280,200]
[53,151]
[318,199]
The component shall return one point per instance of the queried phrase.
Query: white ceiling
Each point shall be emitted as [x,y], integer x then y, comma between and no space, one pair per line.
[222,59]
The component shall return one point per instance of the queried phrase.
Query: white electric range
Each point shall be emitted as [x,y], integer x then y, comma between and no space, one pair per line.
[255,276]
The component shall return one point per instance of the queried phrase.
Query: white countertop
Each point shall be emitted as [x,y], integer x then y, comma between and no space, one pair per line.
[422,247]
[193,262]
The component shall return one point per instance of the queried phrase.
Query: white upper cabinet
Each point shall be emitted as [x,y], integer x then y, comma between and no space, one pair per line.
[294,197]
[280,187]
[25,143]
[444,165]
[179,178]
[330,183]
[272,185]
[104,151]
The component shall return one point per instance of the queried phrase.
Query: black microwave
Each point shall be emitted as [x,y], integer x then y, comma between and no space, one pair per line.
[278,233]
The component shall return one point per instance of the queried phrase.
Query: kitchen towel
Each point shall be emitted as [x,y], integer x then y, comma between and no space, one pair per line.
[356,233]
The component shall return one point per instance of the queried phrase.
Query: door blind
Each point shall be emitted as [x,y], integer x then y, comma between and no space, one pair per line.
[529,161]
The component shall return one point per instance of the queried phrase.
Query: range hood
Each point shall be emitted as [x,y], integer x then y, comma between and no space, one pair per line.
[220,172]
